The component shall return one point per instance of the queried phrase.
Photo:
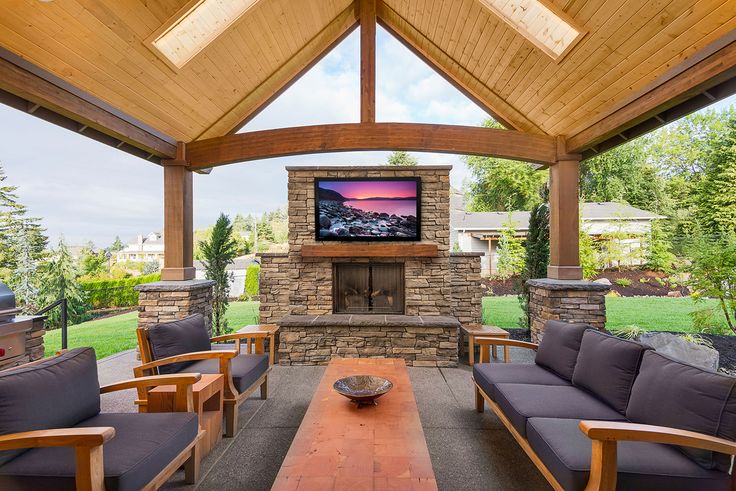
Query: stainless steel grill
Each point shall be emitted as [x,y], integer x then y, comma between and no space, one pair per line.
[13,328]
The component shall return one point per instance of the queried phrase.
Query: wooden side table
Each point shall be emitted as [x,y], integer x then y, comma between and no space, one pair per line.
[208,399]
[474,331]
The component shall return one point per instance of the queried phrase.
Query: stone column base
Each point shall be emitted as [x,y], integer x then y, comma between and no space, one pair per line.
[565,300]
[163,301]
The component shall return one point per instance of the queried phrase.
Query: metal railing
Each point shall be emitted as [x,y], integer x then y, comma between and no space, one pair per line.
[64,323]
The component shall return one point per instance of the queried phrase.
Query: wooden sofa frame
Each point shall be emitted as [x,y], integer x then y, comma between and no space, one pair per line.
[254,343]
[88,442]
[605,435]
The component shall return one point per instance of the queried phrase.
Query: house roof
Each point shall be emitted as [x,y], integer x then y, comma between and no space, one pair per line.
[631,62]
[590,212]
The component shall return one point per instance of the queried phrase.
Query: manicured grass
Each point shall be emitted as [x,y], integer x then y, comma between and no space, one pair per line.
[114,334]
[651,313]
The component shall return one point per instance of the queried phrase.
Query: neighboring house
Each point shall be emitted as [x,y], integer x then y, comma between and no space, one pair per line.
[480,231]
[238,268]
[143,249]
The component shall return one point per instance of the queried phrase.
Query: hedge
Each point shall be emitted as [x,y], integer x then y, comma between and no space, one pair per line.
[102,294]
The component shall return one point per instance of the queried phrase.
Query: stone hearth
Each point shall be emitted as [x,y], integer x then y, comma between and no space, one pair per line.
[297,289]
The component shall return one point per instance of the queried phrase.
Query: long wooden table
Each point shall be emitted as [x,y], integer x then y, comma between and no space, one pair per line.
[339,446]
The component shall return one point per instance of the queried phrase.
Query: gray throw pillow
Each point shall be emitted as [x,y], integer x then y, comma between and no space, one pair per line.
[558,350]
[177,338]
[607,367]
[57,393]
[670,393]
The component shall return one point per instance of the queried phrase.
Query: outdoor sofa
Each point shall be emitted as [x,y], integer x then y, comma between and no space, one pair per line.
[597,412]
[54,437]
[185,346]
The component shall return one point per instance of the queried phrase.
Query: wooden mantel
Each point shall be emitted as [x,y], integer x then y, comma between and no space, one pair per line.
[424,249]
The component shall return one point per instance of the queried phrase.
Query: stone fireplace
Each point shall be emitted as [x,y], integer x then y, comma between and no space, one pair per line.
[362,299]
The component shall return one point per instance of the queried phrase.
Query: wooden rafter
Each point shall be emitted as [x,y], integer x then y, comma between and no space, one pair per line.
[467,140]
[453,72]
[367,61]
[280,80]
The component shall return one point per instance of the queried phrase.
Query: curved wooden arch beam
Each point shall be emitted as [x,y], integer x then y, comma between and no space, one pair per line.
[465,140]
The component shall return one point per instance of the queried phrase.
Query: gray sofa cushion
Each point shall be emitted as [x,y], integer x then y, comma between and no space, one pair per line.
[487,375]
[671,393]
[246,369]
[56,393]
[558,350]
[522,401]
[176,338]
[607,366]
[143,445]
[565,451]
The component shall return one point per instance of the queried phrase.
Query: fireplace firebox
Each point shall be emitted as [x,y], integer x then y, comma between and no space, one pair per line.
[368,288]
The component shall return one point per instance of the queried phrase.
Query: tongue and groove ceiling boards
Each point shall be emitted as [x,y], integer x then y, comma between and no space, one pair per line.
[583,69]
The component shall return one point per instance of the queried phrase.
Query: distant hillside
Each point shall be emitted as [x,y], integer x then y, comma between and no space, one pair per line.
[377,198]
[330,195]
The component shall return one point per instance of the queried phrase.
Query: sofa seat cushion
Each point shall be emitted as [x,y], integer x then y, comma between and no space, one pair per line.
[246,369]
[558,350]
[522,401]
[487,375]
[607,367]
[670,393]
[177,338]
[565,451]
[143,445]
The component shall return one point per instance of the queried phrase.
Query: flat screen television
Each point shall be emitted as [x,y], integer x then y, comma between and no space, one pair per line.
[378,208]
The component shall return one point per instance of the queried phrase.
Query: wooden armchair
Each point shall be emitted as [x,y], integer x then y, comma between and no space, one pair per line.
[88,442]
[241,376]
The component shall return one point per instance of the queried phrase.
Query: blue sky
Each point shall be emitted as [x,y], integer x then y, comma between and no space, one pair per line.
[89,191]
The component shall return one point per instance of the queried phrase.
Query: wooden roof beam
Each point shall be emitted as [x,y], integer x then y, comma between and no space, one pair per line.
[367,61]
[413,39]
[673,98]
[288,73]
[466,140]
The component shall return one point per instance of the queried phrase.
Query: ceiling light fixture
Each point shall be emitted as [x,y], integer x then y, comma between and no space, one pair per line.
[546,26]
[195,26]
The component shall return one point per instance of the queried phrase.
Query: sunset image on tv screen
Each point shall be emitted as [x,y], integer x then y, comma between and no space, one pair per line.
[369,209]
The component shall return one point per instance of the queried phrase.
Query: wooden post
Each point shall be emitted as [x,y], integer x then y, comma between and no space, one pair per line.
[367,61]
[178,226]
[564,225]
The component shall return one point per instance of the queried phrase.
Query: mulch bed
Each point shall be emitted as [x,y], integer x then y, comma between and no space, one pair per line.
[643,283]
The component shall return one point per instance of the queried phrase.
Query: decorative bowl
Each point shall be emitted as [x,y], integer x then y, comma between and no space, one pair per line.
[363,389]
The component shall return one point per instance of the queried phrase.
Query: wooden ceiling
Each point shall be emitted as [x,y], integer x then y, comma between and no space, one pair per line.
[630,46]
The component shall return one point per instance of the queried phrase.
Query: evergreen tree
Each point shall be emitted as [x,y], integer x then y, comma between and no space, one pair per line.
[401,158]
[116,246]
[60,280]
[23,281]
[659,250]
[537,254]
[510,252]
[217,252]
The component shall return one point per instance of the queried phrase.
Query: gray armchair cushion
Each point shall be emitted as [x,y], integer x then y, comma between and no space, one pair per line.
[522,401]
[607,366]
[558,350]
[143,445]
[671,393]
[487,375]
[246,369]
[56,393]
[565,451]
[177,338]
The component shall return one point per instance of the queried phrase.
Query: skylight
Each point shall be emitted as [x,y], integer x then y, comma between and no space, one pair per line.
[547,27]
[195,26]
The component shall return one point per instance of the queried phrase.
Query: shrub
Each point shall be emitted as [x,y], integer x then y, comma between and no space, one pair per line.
[629,332]
[622,281]
[252,289]
[101,294]
[713,274]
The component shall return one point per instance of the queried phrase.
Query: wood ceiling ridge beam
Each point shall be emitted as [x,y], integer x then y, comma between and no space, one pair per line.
[285,75]
[40,89]
[509,116]
[465,140]
[707,73]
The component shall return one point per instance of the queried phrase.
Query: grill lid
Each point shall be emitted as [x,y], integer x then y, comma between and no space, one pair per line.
[7,303]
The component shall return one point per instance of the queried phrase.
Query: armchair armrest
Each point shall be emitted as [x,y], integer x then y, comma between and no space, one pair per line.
[483,341]
[59,437]
[254,340]
[605,436]
[141,370]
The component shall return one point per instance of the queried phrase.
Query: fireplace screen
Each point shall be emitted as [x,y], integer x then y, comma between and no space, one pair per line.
[368,288]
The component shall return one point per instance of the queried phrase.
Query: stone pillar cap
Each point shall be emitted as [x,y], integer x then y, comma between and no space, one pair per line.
[174,286]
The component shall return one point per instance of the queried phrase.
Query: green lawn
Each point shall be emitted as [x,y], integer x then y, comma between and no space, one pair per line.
[651,313]
[114,334]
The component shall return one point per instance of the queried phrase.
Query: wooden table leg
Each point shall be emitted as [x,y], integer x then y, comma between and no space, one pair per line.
[495,355]
[471,350]
[485,351]
[506,356]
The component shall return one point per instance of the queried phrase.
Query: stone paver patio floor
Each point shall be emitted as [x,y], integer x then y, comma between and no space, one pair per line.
[469,451]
